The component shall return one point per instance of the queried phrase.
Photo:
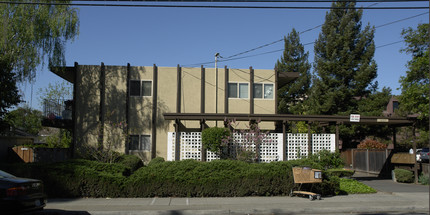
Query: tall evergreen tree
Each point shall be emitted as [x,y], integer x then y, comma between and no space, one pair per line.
[344,65]
[294,59]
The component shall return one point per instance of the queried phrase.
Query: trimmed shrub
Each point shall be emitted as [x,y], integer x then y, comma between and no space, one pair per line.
[341,173]
[229,178]
[351,186]
[132,162]
[404,176]
[155,161]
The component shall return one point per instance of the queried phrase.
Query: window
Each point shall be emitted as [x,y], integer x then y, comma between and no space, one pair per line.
[140,88]
[140,143]
[263,91]
[238,90]
[134,88]
[146,88]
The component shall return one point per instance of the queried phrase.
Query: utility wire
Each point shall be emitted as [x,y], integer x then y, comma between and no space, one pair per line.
[205,6]
[253,1]
[269,52]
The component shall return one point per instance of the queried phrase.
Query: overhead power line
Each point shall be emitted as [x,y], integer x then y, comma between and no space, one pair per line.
[234,57]
[206,6]
[254,1]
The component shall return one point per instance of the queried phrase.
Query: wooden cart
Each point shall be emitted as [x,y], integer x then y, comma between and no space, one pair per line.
[305,175]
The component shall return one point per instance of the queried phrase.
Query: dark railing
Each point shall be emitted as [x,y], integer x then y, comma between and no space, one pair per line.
[57,109]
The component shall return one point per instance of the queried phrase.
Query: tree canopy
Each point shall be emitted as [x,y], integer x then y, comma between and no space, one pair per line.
[294,59]
[415,85]
[29,35]
[344,65]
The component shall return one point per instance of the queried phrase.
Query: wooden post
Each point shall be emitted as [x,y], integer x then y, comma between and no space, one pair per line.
[154,112]
[284,140]
[177,141]
[309,139]
[203,149]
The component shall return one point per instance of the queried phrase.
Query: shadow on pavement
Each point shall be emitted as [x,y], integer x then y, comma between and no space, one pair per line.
[56,212]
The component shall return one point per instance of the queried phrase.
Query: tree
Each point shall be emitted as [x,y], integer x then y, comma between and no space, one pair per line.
[415,93]
[29,33]
[344,65]
[415,85]
[25,118]
[294,59]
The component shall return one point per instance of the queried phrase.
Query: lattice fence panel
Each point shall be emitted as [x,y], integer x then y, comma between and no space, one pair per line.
[271,148]
[297,146]
[323,142]
[191,145]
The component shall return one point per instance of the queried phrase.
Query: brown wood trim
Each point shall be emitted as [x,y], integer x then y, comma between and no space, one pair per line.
[202,89]
[102,86]
[178,89]
[251,93]
[284,140]
[275,91]
[154,111]
[177,141]
[74,118]
[368,120]
[127,107]
[309,139]
[226,72]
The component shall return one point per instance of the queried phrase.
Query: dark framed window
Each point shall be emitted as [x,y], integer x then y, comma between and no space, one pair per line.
[146,88]
[140,143]
[263,91]
[134,88]
[238,90]
[140,88]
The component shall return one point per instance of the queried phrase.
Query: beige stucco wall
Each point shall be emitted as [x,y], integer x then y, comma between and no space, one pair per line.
[140,108]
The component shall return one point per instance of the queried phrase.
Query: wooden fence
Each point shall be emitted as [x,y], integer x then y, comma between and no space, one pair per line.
[367,160]
[46,155]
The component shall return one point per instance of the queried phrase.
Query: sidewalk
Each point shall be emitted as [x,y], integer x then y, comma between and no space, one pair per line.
[384,203]
[392,198]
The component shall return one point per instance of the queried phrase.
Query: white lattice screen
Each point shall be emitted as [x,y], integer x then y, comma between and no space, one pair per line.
[323,142]
[297,146]
[270,148]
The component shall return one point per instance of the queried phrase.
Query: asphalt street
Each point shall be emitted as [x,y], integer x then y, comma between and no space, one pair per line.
[392,198]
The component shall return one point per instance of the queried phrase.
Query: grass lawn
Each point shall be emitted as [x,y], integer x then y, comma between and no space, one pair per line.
[351,186]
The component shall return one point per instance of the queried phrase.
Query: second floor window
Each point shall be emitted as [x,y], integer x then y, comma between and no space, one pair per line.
[238,90]
[140,88]
[263,91]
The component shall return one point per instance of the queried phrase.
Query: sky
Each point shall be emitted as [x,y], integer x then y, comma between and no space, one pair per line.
[167,37]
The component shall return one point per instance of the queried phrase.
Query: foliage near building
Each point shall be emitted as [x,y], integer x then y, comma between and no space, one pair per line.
[29,34]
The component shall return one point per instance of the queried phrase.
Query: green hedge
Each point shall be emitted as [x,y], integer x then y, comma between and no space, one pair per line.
[189,178]
[341,173]
[404,176]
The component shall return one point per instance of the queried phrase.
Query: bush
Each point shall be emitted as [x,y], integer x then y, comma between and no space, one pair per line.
[132,162]
[212,139]
[351,186]
[404,176]
[423,179]
[341,173]
[325,159]
[155,161]
[371,144]
[188,178]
